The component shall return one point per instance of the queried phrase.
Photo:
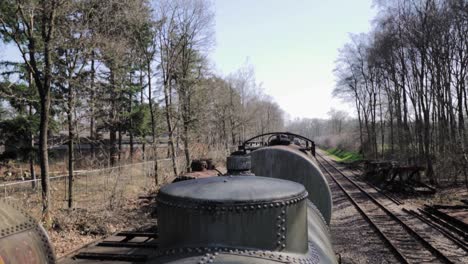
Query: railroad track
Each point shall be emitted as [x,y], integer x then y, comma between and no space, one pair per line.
[409,239]
[451,228]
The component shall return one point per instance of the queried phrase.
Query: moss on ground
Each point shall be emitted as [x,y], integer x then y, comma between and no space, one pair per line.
[344,156]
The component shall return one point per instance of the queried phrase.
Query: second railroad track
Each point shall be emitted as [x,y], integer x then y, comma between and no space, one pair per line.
[409,239]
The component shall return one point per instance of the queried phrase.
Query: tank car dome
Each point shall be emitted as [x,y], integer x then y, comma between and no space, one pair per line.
[238,219]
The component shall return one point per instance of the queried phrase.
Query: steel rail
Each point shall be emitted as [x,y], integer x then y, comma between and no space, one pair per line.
[434,210]
[399,255]
[443,228]
[418,237]
[394,200]
[443,223]
[440,228]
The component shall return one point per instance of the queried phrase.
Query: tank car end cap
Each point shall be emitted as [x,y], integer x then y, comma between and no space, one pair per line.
[238,189]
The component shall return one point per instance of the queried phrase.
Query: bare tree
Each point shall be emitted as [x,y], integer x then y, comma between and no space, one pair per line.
[31,25]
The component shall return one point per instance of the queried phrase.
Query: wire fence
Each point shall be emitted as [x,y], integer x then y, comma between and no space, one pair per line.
[99,189]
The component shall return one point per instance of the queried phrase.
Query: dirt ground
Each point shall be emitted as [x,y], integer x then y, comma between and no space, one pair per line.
[105,201]
[73,229]
[353,238]
[450,195]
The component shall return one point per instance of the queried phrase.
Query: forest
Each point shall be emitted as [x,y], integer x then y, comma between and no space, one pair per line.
[408,79]
[114,73]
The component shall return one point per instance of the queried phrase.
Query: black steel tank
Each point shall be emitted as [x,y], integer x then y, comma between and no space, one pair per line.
[291,157]
[240,219]
[22,240]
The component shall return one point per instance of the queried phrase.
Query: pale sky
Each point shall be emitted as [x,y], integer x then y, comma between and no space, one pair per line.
[292,44]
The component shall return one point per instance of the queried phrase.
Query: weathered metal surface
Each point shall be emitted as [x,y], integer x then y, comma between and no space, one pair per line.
[289,163]
[198,165]
[278,138]
[22,240]
[240,256]
[226,211]
[239,164]
[240,220]
[319,235]
[201,168]
[202,164]
[196,175]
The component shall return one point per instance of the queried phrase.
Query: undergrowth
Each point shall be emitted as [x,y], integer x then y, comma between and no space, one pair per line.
[344,156]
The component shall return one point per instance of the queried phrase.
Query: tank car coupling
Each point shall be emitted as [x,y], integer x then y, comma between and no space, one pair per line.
[239,164]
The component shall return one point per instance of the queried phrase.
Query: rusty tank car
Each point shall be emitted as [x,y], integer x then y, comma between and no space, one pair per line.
[273,206]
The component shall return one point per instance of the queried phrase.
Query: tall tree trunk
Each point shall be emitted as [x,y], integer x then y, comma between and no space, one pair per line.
[186,147]
[142,93]
[91,110]
[382,126]
[113,146]
[31,137]
[225,137]
[44,157]
[153,123]
[70,145]
[462,129]
[113,117]
[361,137]
[48,26]
[169,127]
[185,129]
[130,109]
[120,150]
[31,155]
[391,121]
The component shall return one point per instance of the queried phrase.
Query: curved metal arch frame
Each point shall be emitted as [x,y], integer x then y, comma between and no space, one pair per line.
[307,140]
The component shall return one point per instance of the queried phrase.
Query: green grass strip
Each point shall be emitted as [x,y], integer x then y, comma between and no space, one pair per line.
[344,156]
